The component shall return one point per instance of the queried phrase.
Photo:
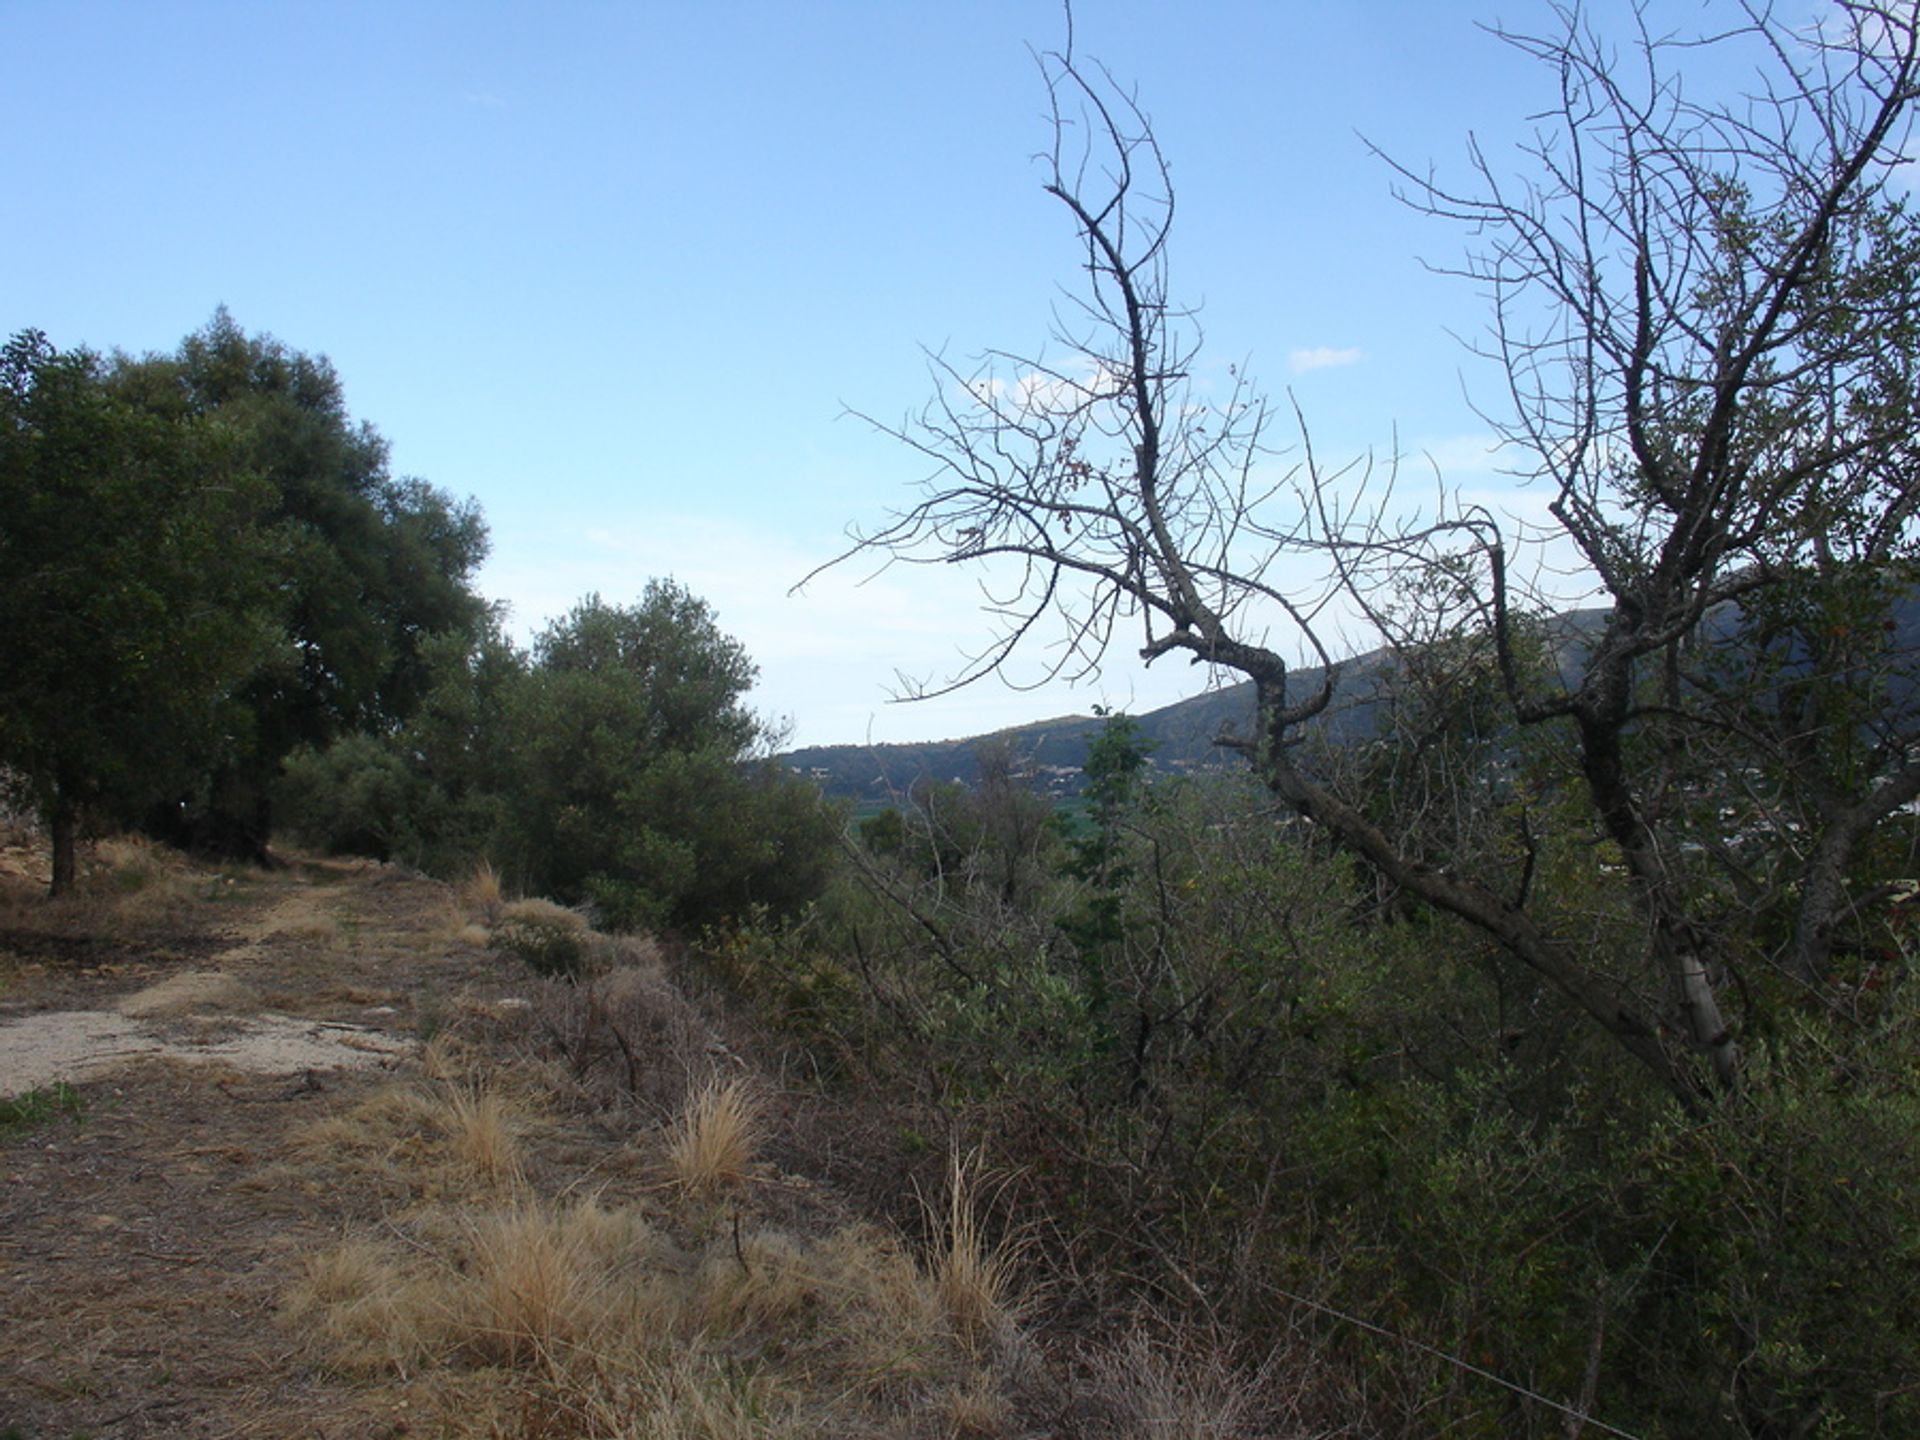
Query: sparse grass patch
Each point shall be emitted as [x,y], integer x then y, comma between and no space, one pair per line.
[128,888]
[128,864]
[37,1107]
[322,932]
[713,1140]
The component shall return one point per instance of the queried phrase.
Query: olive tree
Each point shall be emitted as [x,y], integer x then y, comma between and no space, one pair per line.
[134,585]
[1707,315]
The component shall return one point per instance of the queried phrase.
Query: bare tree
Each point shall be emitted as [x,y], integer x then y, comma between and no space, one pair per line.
[1708,316]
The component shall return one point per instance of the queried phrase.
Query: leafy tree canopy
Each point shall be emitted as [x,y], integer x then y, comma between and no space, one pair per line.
[369,567]
[135,583]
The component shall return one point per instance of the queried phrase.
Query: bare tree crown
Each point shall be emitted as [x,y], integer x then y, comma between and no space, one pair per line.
[1707,315]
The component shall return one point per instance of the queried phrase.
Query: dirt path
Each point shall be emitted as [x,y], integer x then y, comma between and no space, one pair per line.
[153,1218]
[541,1224]
[212,1015]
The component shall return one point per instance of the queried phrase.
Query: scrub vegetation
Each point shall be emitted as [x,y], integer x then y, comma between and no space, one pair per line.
[1521,1042]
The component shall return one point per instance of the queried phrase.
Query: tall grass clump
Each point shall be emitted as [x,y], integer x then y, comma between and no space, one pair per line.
[552,939]
[973,1275]
[714,1138]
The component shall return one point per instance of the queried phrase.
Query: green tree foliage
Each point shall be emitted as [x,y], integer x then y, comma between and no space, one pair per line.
[643,784]
[135,582]
[370,568]
[616,764]
[1301,1113]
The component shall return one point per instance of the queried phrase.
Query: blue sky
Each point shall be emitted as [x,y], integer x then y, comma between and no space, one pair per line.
[617,270]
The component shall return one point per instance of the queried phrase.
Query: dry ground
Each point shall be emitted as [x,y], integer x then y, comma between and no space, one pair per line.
[318,1161]
[145,1244]
[221,1239]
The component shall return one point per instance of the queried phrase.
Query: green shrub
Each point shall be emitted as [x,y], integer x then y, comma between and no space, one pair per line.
[552,939]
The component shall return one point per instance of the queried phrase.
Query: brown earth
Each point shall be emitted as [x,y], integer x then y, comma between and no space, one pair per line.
[146,1241]
[265,1126]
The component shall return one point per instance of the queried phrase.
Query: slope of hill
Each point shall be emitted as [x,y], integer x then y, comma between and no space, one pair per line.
[504,1206]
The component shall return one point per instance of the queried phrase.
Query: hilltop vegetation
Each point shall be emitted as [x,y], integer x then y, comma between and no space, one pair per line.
[227,617]
[517,1208]
[1521,1039]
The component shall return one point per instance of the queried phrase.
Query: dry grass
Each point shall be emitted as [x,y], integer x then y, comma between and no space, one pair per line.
[367,1312]
[128,888]
[978,1408]
[322,932]
[1170,1386]
[623,1308]
[546,913]
[542,1283]
[974,1277]
[485,1135]
[480,894]
[457,1137]
[627,1036]
[600,1311]
[714,1139]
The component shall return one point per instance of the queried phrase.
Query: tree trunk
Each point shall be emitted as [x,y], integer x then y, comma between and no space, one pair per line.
[63,821]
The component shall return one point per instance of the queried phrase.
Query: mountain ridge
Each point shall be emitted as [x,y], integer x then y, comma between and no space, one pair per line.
[1182,735]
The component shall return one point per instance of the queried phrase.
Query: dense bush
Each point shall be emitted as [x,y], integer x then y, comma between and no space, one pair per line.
[1222,1067]
[615,765]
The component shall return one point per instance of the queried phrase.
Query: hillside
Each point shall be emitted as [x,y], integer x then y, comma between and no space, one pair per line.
[1182,735]
[351,1170]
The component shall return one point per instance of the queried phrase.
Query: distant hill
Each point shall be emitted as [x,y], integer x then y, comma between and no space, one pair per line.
[1054,752]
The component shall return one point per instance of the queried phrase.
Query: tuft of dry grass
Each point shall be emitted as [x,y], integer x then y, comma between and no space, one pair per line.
[541,1283]
[320,931]
[545,913]
[697,1396]
[365,1308]
[480,893]
[1179,1388]
[450,1057]
[974,1277]
[460,1136]
[978,1407]
[550,938]
[714,1138]
[608,1320]
[485,1134]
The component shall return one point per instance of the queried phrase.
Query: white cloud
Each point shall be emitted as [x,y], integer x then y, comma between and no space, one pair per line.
[835,657]
[1040,392]
[1324,357]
